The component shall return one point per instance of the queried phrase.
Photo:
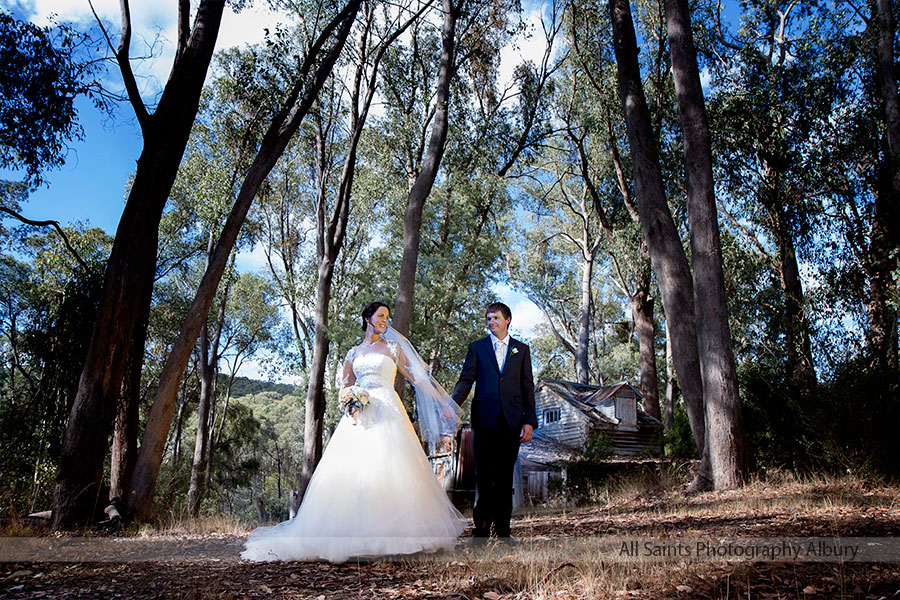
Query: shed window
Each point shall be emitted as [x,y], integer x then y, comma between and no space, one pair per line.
[552,415]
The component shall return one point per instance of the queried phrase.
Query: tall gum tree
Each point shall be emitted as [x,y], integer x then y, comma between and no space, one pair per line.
[421,187]
[660,234]
[332,218]
[471,33]
[725,439]
[311,76]
[132,263]
[632,272]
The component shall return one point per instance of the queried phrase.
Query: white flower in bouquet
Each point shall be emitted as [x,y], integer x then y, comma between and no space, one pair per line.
[353,399]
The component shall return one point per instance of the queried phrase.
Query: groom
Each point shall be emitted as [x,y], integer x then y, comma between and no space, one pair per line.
[503,416]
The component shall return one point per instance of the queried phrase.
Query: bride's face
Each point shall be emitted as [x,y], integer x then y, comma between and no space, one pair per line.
[378,322]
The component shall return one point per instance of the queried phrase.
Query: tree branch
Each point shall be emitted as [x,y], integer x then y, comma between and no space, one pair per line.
[55,225]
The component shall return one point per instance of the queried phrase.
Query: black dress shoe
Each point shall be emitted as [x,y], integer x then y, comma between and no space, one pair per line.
[476,541]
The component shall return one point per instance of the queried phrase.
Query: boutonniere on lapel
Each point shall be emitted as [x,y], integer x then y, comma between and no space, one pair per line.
[513,351]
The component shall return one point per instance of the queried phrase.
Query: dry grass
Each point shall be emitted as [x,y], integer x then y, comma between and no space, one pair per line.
[555,571]
[181,524]
[550,563]
[14,526]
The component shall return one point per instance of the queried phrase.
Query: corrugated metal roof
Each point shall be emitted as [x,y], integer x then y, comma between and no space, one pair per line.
[591,399]
[544,450]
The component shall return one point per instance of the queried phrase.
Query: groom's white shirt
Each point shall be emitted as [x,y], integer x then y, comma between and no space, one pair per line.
[500,349]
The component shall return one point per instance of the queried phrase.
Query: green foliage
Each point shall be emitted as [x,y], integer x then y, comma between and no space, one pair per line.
[47,311]
[678,442]
[41,75]
[586,473]
[244,386]
[848,423]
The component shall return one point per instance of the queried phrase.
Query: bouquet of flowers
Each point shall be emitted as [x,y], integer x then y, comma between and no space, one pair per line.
[353,400]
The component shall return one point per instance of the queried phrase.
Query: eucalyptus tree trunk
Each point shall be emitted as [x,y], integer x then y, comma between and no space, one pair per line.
[127,425]
[798,362]
[421,188]
[642,313]
[582,366]
[331,231]
[725,438]
[885,234]
[207,392]
[132,263]
[671,385]
[283,126]
[660,234]
[208,371]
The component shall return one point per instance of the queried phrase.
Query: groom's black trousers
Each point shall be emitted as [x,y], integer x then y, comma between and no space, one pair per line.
[496,449]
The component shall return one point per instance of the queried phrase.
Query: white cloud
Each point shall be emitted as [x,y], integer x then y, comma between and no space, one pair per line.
[248,26]
[526,315]
[529,46]
[251,261]
[254,369]
[154,30]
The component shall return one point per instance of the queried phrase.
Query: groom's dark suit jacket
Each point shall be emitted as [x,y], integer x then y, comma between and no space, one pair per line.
[510,392]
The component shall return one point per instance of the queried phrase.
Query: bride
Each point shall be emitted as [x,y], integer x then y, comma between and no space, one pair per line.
[374,492]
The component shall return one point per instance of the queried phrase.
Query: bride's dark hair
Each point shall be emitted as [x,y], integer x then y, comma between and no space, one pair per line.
[370,309]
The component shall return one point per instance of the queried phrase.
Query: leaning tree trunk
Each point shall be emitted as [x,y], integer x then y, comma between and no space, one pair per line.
[132,262]
[284,125]
[660,234]
[415,201]
[728,453]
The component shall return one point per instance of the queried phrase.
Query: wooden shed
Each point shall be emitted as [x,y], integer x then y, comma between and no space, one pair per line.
[567,412]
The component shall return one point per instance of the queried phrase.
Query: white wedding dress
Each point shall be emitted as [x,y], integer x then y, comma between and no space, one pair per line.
[373,493]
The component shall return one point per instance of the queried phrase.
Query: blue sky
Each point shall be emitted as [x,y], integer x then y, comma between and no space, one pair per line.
[90,187]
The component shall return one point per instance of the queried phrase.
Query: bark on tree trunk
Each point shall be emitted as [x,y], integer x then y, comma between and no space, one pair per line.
[885,234]
[127,424]
[179,419]
[415,201]
[728,453]
[582,367]
[275,141]
[208,372]
[660,234]
[207,392]
[642,314]
[315,393]
[671,384]
[799,361]
[130,269]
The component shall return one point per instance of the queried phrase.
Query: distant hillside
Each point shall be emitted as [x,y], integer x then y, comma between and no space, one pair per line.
[245,387]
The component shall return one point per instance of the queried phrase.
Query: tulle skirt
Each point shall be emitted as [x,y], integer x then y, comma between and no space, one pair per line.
[373,494]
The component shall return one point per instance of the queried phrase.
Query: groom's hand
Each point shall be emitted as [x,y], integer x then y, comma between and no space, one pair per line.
[526,433]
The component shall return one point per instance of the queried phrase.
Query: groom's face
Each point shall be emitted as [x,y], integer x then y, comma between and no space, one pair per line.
[497,324]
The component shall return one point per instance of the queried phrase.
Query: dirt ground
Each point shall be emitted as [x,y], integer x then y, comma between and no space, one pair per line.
[563,553]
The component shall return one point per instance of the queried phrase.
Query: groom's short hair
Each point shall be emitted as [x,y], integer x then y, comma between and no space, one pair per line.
[500,308]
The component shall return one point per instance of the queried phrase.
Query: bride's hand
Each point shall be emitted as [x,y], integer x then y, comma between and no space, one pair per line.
[344,394]
[352,390]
